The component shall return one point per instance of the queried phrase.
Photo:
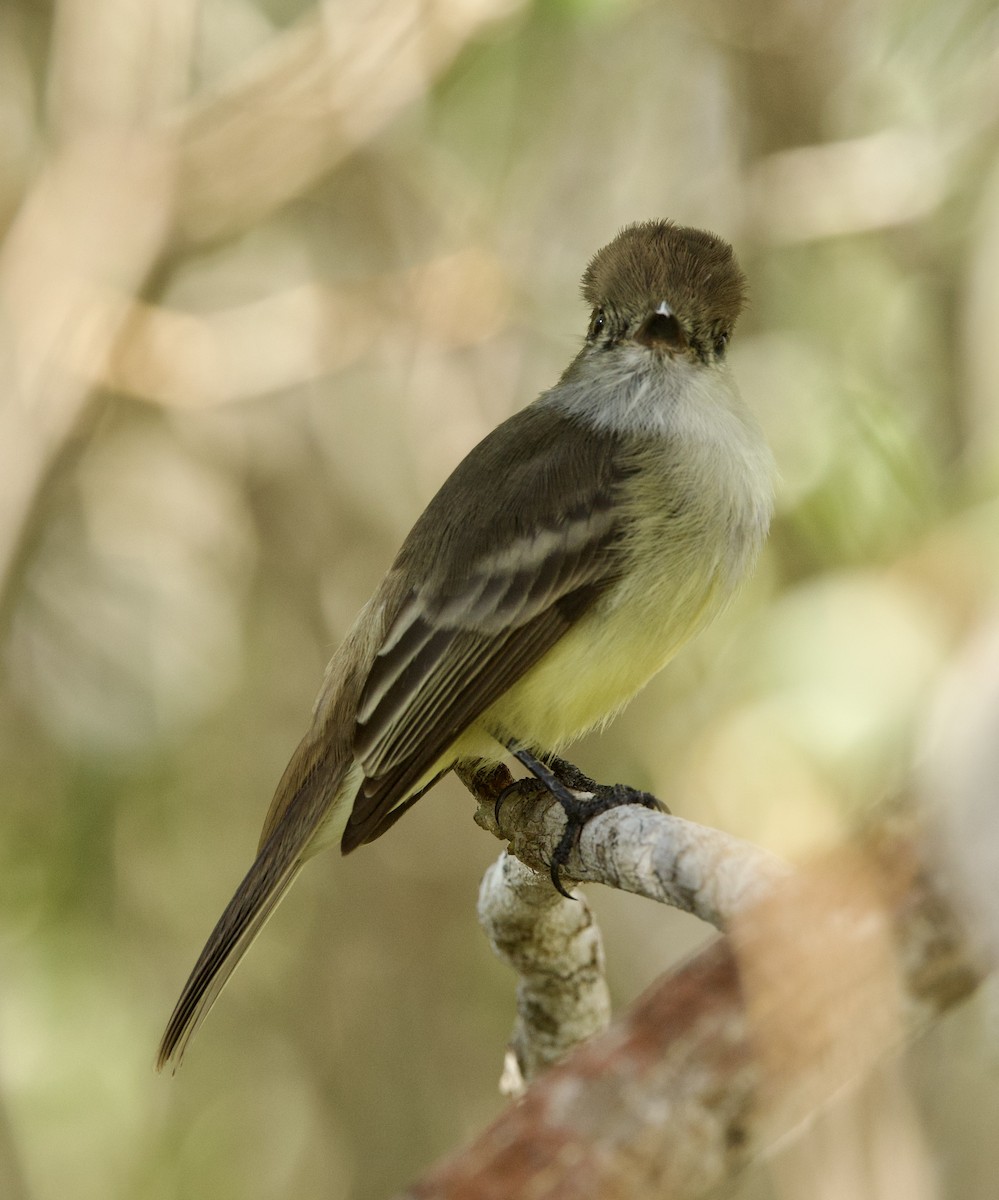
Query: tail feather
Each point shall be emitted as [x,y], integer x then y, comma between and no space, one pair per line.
[245,916]
[317,789]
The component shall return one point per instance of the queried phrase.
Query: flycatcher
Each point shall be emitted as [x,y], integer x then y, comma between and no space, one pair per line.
[562,564]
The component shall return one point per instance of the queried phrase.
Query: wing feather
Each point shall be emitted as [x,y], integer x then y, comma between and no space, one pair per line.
[492,593]
[505,662]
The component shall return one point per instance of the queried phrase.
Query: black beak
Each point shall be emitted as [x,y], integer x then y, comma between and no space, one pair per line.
[661,330]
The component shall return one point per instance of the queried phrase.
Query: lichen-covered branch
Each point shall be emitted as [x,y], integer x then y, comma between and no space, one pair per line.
[553,943]
[554,946]
[813,988]
[688,866]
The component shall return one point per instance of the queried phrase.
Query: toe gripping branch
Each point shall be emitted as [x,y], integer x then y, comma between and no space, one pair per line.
[563,780]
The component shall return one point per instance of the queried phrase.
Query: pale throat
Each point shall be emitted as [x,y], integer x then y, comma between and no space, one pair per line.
[628,391]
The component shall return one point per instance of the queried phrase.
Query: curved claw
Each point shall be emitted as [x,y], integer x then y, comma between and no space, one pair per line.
[501,800]
[627,795]
[573,829]
[557,883]
[565,782]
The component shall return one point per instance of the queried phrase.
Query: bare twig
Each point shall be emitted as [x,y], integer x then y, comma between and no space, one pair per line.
[692,867]
[817,982]
[554,945]
[561,995]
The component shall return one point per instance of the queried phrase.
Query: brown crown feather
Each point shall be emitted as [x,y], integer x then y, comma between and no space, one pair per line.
[693,271]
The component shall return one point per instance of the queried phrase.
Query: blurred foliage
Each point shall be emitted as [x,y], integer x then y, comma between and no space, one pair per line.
[268,270]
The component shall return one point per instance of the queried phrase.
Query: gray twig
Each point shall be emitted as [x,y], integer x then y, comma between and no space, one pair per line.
[553,943]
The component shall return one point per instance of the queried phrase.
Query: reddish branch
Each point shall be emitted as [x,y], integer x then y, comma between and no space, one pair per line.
[810,990]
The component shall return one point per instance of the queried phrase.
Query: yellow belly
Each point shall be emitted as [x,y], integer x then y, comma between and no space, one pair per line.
[682,564]
[604,661]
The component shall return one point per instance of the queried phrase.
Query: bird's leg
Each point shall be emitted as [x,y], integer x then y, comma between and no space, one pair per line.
[563,780]
[570,774]
[558,787]
[609,795]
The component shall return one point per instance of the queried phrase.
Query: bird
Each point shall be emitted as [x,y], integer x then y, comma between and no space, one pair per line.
[561,565]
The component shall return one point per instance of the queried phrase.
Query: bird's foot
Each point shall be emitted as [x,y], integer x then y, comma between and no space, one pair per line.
[582,810]
[564,780]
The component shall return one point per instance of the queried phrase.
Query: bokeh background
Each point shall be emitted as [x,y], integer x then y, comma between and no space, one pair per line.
[268,269]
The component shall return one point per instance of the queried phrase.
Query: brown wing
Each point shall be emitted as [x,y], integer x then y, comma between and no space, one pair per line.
[482,619]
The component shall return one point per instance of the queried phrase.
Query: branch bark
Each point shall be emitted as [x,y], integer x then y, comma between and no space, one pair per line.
[554,945]
[688,866]
[823,974]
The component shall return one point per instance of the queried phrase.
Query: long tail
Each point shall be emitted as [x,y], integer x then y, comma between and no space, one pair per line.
[313,790]
[245,915]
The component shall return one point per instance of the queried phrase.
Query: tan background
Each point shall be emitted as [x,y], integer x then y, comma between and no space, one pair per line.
[268,270]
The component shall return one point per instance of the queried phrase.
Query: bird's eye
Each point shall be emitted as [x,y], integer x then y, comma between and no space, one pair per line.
[597,322]
[721,341]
